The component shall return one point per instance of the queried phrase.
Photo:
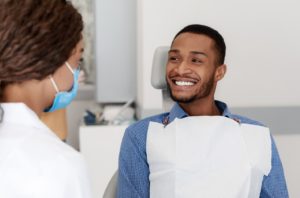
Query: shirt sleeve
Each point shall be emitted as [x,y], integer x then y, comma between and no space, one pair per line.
[133,178]
[274,185]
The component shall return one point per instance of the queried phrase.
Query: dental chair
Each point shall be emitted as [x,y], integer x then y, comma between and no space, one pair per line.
[111,189]
[158,75]
[158,82]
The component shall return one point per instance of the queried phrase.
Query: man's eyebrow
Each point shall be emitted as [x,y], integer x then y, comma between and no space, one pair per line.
[196,52]
[173,50]
[192,52]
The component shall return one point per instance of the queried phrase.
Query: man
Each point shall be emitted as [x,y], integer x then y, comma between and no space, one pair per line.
[195,65]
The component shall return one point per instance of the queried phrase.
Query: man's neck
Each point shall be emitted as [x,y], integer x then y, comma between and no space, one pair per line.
[201,108]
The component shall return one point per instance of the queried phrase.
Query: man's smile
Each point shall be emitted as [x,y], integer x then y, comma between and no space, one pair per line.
[184,82]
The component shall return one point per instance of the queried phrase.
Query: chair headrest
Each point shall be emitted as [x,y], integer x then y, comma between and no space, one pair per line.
[158,75]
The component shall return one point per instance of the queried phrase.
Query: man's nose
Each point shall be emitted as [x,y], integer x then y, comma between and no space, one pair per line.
[183,68]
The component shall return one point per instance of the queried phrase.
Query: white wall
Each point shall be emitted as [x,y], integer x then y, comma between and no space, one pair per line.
[262,38]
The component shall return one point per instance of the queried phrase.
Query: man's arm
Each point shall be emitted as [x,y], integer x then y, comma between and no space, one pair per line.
[274,185]
[133,179]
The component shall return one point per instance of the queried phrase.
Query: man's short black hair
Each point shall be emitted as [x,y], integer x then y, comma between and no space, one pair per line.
[220,46]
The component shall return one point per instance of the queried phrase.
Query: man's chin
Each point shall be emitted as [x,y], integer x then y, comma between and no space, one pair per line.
[182,99]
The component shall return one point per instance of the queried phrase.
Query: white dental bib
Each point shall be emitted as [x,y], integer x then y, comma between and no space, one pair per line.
[207,157]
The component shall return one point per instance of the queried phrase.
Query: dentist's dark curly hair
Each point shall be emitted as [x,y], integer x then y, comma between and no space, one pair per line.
[36,38]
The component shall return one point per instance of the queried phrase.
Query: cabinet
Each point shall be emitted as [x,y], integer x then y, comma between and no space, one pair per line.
[115,50]
[100,147]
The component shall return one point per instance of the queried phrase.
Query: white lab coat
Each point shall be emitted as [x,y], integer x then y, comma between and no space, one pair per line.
[34,162]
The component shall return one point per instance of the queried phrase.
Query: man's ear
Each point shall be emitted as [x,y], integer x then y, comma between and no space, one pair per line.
[220,72]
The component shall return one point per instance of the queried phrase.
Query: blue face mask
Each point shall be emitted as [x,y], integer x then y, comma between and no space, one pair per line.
[62,98]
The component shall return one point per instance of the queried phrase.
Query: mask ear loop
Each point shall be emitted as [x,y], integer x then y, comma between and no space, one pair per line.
[54,84]
[69,67]
[52,80]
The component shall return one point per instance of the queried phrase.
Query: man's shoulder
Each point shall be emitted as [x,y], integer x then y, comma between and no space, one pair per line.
[242,119]
[246,120]
[141,126]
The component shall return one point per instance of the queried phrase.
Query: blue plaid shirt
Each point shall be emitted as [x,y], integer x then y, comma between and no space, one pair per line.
[133,179]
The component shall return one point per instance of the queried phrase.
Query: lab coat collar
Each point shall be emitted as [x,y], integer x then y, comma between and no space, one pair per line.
[21,114]
[178,112]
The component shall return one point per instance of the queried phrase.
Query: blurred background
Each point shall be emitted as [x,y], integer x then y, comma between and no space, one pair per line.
[262,81]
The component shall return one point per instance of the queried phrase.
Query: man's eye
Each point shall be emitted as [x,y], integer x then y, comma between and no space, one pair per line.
[172,58]
[196,60]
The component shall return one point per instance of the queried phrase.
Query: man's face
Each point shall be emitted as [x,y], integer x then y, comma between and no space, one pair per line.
[191,67]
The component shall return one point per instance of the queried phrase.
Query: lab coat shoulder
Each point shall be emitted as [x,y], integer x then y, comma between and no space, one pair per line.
[43,165]
[65,168]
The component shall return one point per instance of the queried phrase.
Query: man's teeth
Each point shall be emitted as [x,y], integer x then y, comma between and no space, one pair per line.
[184,83]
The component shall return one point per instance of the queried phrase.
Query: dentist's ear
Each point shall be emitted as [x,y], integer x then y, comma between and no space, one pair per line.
[220,72]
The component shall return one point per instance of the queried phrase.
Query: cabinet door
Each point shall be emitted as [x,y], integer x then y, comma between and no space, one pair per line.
[115,50]
[100,146]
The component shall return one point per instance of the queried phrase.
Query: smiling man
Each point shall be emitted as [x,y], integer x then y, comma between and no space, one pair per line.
[196,63]
[199,148]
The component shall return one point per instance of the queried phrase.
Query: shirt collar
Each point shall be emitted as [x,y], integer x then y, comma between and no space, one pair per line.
[178,112]
[223,108]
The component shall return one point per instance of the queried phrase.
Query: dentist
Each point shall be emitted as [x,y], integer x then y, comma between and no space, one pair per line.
[40,48]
